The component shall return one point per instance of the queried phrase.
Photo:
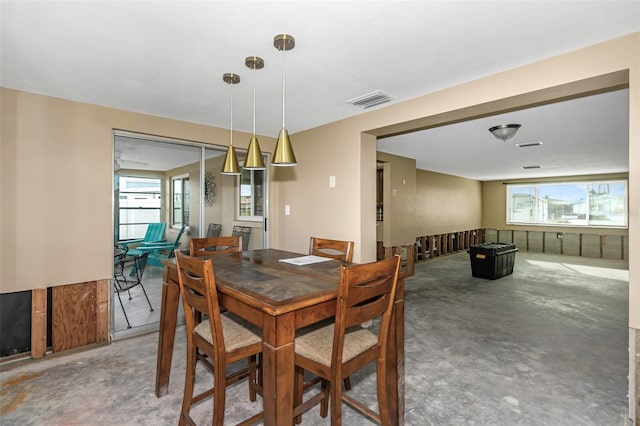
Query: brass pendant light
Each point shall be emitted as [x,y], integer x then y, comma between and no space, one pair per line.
[230,165]
[254,159]
[283,154]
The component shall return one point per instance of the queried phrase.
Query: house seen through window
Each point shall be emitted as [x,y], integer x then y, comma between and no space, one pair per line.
[595,204]
[251,195]
[139,203]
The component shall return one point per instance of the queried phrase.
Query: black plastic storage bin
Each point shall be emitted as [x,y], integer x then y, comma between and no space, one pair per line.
[492,260]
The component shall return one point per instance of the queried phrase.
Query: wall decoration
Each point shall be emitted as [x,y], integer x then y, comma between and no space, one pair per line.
[209,188]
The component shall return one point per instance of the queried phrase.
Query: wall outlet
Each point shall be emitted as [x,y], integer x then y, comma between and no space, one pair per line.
[287,210]
[332,181]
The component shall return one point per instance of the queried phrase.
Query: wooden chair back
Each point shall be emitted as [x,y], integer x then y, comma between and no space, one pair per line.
[335,249]
[215,245]
[200,298]
[365,292]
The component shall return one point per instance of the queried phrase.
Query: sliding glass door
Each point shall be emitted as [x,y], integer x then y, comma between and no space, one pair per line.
[177,186]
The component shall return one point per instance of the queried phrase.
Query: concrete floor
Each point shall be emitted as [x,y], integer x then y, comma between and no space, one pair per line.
[546,345]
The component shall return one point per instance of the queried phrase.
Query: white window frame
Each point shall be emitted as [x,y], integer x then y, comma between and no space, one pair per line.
[252,217]
[182,178]
[540,213]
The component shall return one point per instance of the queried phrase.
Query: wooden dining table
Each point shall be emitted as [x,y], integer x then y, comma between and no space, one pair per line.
[280,298]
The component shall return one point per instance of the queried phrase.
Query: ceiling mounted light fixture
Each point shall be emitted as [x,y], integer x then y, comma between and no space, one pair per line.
[283,154]
[504,131]
[254,160]
[230,165]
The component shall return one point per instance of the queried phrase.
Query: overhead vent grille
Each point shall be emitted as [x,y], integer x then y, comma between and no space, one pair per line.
[528,144]
[531,167]
[370,99]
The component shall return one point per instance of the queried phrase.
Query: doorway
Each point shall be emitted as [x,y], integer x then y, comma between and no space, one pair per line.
[174,185]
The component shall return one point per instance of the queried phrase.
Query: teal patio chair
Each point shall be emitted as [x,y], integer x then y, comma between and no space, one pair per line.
[158,251]
[154,234]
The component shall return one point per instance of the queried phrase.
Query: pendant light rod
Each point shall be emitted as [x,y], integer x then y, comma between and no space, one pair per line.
[284,88]
[254,63]
[254,160]
[230,165]
[231,79]
[284,42]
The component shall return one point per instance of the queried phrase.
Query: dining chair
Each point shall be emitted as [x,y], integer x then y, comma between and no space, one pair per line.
[224,339]
[338,250]
[127,274]
[214,245]
[335,249]
[245,233]
[366,292]
[214,230]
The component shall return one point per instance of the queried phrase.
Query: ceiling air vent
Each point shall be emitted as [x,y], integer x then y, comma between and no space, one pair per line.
[531,167]
[528,144]
[370,99]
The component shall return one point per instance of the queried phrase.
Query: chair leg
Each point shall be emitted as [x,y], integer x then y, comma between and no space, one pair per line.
[188,384]
[347,383]
[383,407]
[336,402]
[298,390]
[324,404]
[252,378]
[145,295]
[219,395]
[123,311]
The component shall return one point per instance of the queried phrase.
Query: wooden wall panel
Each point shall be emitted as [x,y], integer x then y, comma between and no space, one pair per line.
[102,311]
[552,244]
[74,316]
[591,245]
[612,246]
[520,240]
[571,244]
[38,322]
[490,235]
[505,236]
[536,241]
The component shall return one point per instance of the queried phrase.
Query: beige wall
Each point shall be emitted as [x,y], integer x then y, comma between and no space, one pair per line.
[56,185]
[399,200]
[51,146]
[494,208]
[446,203]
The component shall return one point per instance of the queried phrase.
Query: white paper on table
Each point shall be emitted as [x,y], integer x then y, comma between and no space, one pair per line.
[305,260]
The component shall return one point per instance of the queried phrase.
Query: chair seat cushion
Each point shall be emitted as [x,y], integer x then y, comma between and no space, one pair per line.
[318,344]
[236,335]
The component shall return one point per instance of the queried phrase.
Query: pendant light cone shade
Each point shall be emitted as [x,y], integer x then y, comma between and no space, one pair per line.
[254,160]
[230,165]
[283,154]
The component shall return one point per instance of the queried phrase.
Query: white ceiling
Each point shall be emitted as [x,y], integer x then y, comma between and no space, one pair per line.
[167,59]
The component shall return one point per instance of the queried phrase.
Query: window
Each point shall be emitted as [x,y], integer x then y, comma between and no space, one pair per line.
[180,201]
[139,204]
[251,195]
[597,204]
